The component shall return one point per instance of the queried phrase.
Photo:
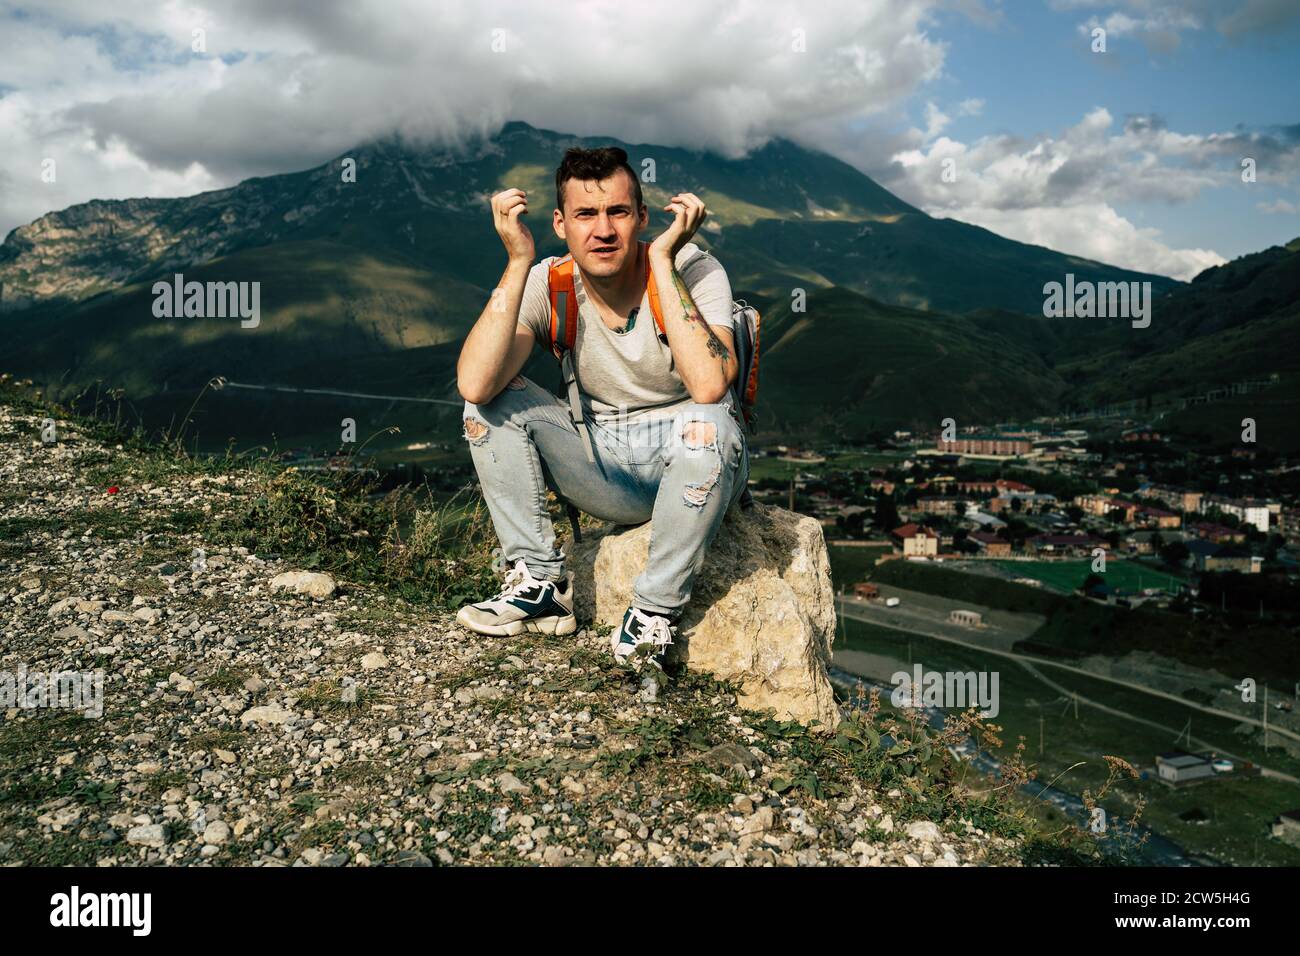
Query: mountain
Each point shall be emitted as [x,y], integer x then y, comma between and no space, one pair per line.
[850,367]
[360,275]
[1235,323]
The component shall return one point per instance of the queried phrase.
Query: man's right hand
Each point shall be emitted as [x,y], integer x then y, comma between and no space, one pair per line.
[507,207]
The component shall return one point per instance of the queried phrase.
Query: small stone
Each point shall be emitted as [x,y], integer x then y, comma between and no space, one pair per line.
[216,833]
[272,714]
[255,685]
[412,858]
[374,661]
[924,830]
[508,783]
[311,583]
[153,834]
[728,755]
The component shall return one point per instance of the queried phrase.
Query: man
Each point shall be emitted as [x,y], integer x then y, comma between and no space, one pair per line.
[665,437]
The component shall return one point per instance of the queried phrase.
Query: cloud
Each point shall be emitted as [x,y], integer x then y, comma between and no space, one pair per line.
[118,96]
[1278,207]
[1062,191]
[1160,24]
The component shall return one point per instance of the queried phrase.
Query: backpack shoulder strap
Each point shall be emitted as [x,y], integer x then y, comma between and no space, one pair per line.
[564,306]
[564,333]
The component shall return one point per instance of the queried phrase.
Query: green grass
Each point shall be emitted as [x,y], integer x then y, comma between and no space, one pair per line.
[849,565]
[1073,748]
[1068,575]
[1075,626]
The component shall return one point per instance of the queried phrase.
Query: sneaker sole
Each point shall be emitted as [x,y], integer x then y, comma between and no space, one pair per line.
[542,625]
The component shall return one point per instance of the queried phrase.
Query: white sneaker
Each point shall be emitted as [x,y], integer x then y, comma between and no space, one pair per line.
[640,633]
[525,604]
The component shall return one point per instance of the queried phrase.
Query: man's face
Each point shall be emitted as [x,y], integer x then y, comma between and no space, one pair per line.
[600,223]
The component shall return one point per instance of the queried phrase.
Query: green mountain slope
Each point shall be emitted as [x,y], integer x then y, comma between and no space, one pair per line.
[357,275]
[850,366]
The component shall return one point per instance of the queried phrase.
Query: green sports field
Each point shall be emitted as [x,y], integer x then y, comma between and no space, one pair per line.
[1068,575]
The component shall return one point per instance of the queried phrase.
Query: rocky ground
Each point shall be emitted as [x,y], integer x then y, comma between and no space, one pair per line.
[250,723]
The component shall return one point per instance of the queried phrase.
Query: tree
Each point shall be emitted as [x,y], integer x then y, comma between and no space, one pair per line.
[1174,553]
[886,514]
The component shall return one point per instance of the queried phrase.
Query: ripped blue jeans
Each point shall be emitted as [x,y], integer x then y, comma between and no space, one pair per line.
[682,472]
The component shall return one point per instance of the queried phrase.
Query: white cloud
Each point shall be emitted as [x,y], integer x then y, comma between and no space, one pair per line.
[1094,231]
[1278,207]
[115,94]
[1063,191]
[1160,24]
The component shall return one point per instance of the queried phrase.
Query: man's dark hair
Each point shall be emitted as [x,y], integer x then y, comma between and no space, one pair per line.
[600,163]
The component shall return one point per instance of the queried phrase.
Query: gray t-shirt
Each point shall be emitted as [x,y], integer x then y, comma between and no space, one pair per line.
[630,372]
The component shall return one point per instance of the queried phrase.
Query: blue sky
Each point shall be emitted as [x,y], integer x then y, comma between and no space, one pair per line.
[1130,157]
[1036,74]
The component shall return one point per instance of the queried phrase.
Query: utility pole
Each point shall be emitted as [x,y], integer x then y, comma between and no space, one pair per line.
[792,492]
[1265,718]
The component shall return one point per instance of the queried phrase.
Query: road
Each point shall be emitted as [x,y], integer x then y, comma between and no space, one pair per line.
[859,610]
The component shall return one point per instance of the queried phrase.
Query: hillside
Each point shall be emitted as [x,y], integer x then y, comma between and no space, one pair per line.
[1233,322]
[850,366]
[403,258]
[246,725]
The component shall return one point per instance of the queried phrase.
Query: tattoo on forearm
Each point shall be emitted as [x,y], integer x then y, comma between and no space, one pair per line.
[690,313]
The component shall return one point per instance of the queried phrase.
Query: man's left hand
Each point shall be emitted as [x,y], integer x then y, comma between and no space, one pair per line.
[688,210]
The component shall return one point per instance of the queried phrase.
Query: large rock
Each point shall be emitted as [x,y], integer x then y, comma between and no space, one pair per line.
[762,611]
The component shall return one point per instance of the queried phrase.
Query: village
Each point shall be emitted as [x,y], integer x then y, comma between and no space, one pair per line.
[1122,516]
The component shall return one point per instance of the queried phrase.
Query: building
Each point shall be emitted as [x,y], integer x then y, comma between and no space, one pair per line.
[991,544]
[1206,556]
[1150,542]
[864,589]
[1027,502]
[1140,434]
[966,618]
[1096,505]
[1065,544]
[917,541]
[1247,511]
[985,521]
[940,505]
[1287,827]
[1007,486]
[993,445]
[1217,533]
[1180,499]
[1148,517]
[1178,767]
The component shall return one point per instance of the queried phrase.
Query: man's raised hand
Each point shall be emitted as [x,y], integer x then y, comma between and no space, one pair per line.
[689,212]
[507,207]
